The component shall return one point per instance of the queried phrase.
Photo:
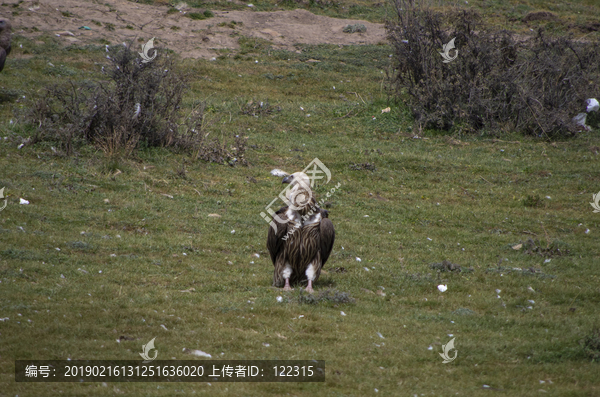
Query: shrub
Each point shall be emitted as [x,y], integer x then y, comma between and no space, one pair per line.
[497,82]
[140,103]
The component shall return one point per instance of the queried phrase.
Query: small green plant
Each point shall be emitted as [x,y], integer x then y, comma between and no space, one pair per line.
[532,201]
[252,44]
[327,296]
[591,344]
[200,15]
[355,28]
[259,108]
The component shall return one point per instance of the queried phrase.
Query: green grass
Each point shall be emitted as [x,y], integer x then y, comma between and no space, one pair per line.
[121,268]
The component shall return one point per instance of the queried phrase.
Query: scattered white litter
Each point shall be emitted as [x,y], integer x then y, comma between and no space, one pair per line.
[587,231]
[429,239]
[430,348]
[342,313]
[233,231]
[257,255]
[198,353]
[300,316]
[266,345]
[62,276]
[22,201]
[366,216]
[450,335]
[358,259]
[592,105]
[548,197]
[547,260]
[163,327]
[279,299]
[531,301]
[367,269]
[442,287]
[4,319]
[498,291]
[530,289]
[379,334]
[486,386]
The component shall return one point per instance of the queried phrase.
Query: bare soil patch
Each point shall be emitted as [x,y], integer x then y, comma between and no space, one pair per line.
[117,21]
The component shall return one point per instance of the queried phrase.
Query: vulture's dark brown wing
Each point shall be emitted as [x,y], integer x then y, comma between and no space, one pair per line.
[327,237]
[3,55]
[275,238]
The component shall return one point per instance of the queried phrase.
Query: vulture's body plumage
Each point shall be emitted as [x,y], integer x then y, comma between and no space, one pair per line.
[302,237]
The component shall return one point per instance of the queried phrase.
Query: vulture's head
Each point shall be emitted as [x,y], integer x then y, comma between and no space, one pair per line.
[300,193]
[297,179]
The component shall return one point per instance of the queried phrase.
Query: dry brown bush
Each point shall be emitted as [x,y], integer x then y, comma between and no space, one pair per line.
[497,83]
[140,103]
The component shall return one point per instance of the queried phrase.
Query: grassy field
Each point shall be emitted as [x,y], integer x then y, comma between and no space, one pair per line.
[99,256]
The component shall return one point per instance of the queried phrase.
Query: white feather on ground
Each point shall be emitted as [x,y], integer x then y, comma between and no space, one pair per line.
[278,172]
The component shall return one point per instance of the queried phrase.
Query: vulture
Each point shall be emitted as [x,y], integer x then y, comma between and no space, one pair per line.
[301,235]
[4,41]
